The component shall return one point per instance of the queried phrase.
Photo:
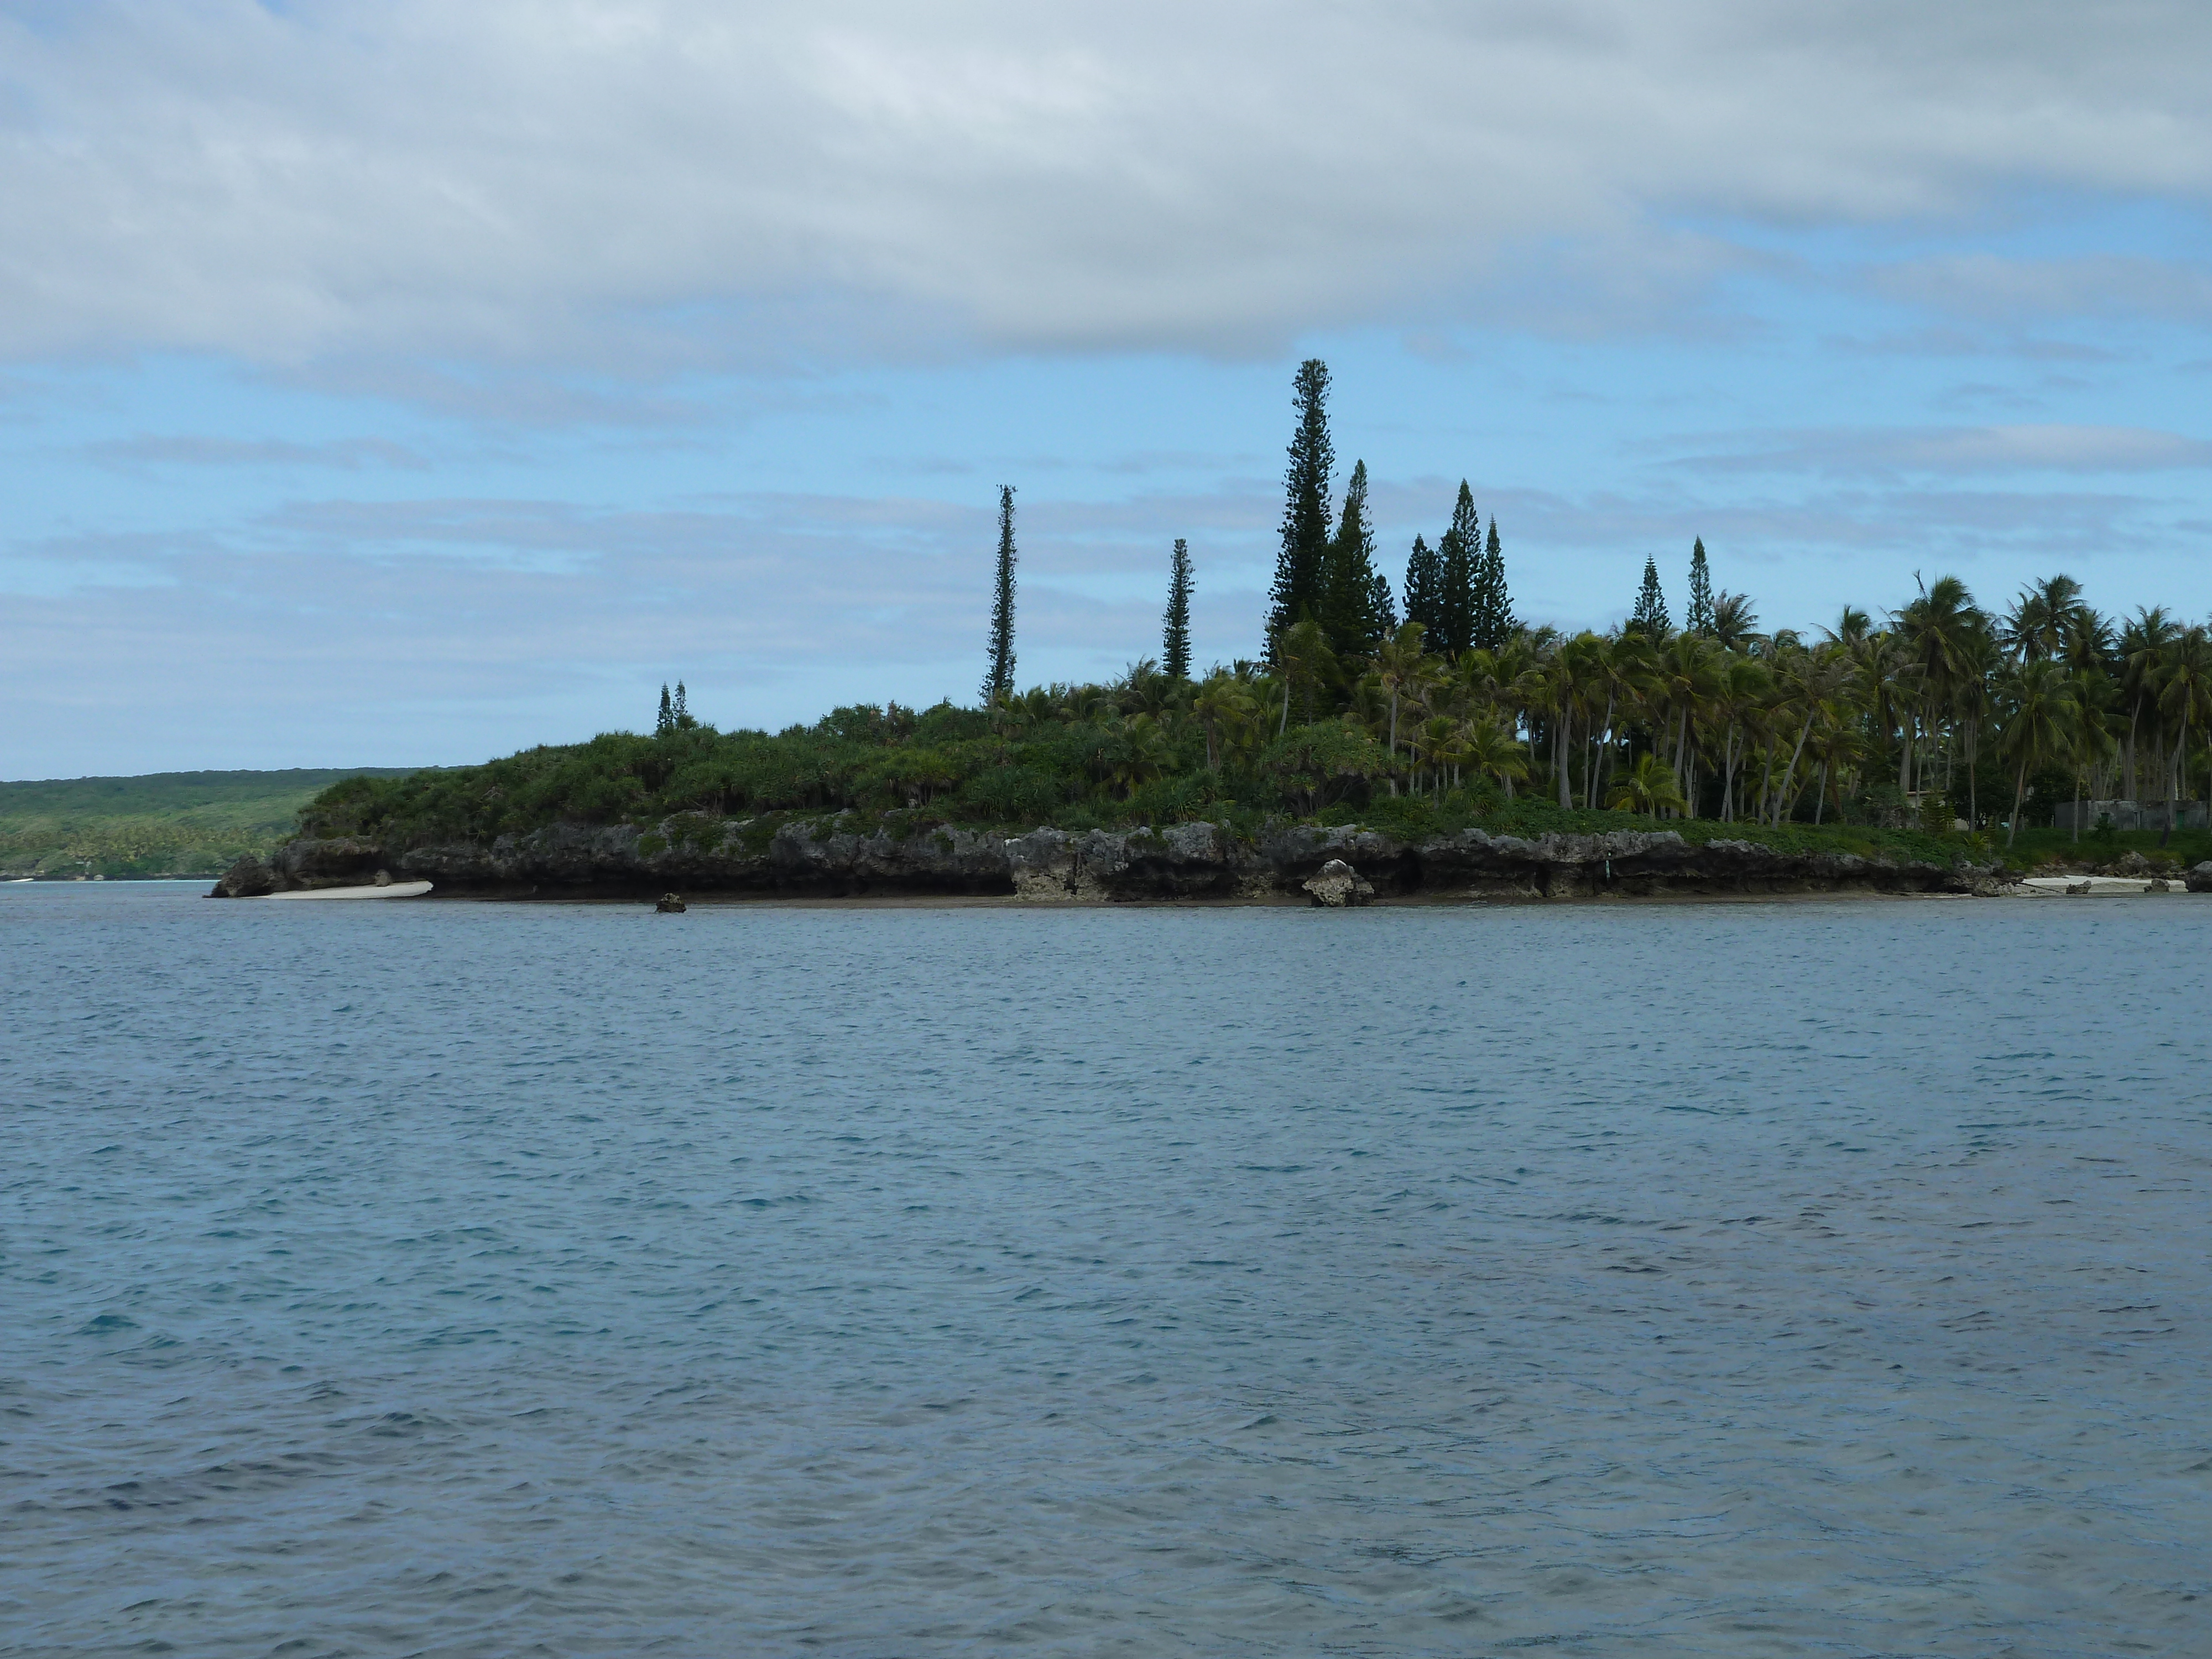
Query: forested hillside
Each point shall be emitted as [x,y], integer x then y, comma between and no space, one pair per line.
[182,823]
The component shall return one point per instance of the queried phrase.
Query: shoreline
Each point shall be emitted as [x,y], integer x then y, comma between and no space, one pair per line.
[738,861]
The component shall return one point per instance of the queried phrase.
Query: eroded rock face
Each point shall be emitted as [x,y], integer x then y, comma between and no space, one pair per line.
[1338,885]
[1185,860]
[696,854]
[247,878]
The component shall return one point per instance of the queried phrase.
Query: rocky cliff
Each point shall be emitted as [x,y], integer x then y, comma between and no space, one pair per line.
[699,855]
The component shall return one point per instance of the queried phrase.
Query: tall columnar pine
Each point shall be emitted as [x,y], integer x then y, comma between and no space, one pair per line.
[999,676]
[1424,582]
[1458,553]
[1382,607]
[1492,608]
[1348,610]
[665,721]
[1296,591]
[1651,613]
[1701,619]
[679,709]
[1174,635]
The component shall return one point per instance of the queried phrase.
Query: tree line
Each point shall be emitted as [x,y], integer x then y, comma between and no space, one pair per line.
[1940,708]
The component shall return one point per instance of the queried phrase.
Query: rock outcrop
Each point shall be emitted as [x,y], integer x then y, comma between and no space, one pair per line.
[695,854]
[2199,880]
[1339,885]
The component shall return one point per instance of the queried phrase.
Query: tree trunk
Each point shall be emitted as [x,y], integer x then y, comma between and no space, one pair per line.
[1559,740]
[1782,799]
[2019,794]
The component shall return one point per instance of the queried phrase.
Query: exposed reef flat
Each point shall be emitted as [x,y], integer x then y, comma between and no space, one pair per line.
[815,858]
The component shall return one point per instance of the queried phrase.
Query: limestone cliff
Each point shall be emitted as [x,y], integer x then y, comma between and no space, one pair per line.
[701,855]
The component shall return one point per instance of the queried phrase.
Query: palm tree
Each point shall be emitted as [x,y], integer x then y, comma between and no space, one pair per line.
[1401,667]
[1940,630]
[1745,687]
[1138,754]
[1307,663]
[2037,727]
[1850,628]
[1816,682]
[1735,625]
[2089,742]
[1490,750]
[1225,707]
[2186,695]
[2035,629]
[2142,647]
[1649,788]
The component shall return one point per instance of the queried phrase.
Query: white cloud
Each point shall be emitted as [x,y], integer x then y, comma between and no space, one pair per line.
[652,182]
[2047,447]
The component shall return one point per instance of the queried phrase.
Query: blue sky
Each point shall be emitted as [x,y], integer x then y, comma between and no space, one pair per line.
[390,386]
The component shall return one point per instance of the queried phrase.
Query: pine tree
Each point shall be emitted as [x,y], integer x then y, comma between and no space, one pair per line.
[1296,591]
[1494,622]
[680,710]
[1458,551]
[666,722]
[1348,611]
[1174,639]
[999,678]
[1701,620]
[1650,612]
[1382,606]
[1424,581]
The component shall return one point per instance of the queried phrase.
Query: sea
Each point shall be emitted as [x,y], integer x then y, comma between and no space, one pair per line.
[1616,1280]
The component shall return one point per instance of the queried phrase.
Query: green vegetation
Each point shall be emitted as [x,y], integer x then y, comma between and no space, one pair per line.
[168,824]
[1876,740]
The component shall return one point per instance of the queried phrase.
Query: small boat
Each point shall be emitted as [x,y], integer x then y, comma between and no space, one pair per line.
[389,890]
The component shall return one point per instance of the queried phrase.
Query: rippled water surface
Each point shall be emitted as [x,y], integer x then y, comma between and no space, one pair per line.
[1745,1280]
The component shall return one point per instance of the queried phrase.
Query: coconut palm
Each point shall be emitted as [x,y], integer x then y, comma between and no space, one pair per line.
[2185,696]
[2142,649]
[2090,695]
[1745,687]
[2044,614]
[1649,787]
[1735,625]
[1308,665]
[1402,667]
[1490,750]
[1225,708]
[2037,727]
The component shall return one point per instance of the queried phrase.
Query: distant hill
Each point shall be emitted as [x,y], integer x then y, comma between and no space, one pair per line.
[165,823]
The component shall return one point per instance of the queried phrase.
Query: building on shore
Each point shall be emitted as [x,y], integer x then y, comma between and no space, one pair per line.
[2132,814]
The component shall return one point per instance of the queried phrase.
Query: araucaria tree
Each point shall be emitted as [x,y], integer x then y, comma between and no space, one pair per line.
[1490,619]
[1651,613]
[1701,619]
[1354,610]
[1425,586]
[999,677]
[665,721]
[1296,593]
[1457,554]
[1175,636]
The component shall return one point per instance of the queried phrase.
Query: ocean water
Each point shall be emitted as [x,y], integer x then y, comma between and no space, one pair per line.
[1662,1280]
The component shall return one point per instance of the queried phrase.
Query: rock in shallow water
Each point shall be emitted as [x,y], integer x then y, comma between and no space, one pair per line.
[1338,885]
[671,904]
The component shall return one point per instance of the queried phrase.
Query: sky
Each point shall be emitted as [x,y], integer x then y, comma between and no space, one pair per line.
[409,382]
